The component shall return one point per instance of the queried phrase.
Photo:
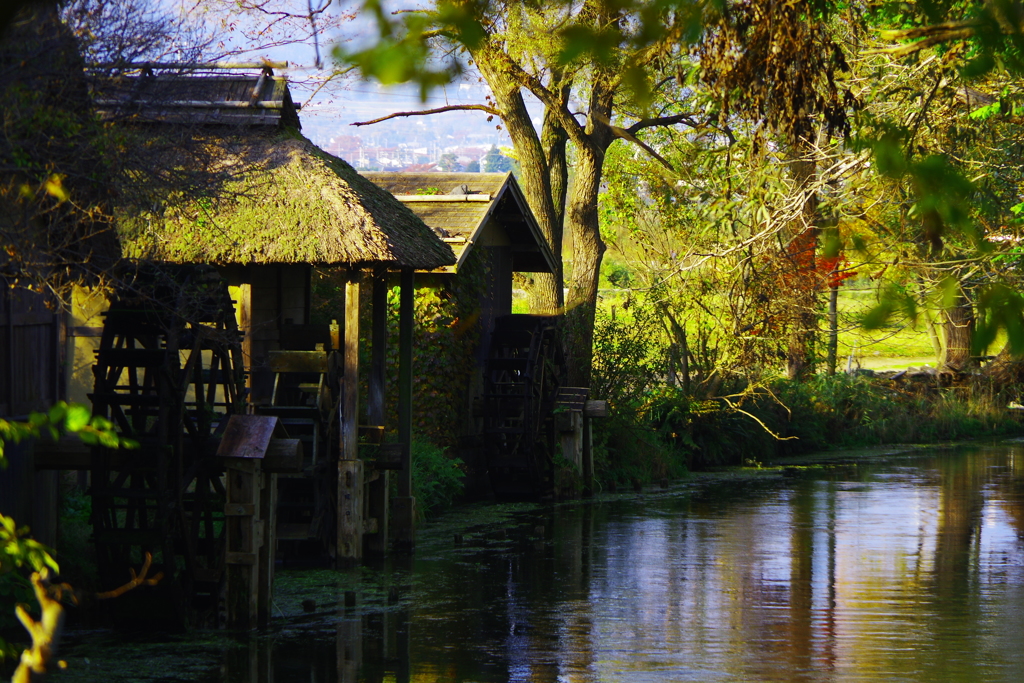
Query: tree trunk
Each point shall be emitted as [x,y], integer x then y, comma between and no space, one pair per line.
[553,141]
[833,328]
[803,247]
[958,329]
[587,252]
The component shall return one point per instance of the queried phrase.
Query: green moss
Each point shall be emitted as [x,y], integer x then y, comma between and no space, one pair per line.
[273,199]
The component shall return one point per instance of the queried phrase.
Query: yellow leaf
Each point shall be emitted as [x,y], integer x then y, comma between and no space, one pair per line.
[54,187]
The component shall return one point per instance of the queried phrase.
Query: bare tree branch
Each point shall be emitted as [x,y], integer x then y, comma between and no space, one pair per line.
[428,112]
[662,121]
[627,135]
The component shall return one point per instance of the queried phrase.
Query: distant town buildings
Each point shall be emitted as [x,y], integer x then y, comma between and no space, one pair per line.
[415,146]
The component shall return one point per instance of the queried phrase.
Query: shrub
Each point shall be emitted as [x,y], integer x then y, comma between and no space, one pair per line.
[436,478]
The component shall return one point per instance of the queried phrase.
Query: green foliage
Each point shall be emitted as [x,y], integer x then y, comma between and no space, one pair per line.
[17,550]
[436,478]
[402,52]
[495,162]
[71,418]
[446,337]
[628,354]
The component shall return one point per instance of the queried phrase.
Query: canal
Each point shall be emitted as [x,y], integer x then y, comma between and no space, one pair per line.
[899,567]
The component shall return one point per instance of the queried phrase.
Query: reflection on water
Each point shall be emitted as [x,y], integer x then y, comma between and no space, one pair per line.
[908,568]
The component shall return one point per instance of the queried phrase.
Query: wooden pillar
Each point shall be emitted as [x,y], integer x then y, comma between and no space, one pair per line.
[244,541]
[378,490]
[588,457]
[350,468]
[591,409]
[403,508]
[245,325]
[350,510]
[268,518]
[379,337]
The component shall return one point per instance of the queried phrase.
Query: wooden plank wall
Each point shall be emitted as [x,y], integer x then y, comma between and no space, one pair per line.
[31,379]
[266,297]
[30,352]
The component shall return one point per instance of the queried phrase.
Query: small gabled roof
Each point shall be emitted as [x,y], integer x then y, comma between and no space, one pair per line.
[459,205]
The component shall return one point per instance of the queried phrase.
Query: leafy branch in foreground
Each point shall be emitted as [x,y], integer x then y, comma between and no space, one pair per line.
[18,550]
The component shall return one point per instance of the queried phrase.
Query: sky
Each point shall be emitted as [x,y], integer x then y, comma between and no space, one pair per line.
[331,111]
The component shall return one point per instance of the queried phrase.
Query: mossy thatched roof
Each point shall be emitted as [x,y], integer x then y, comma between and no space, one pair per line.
[275,197]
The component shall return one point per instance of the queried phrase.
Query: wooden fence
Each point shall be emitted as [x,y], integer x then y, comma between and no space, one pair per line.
[31,378]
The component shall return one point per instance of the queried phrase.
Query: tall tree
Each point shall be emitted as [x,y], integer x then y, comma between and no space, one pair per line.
[775,62]
[583,62]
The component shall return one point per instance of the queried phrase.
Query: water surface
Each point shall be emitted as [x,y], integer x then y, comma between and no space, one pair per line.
[907,567]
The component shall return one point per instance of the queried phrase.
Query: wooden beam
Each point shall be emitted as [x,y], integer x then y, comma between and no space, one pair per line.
[403,506]
[406,316]
[350,468]
[245,324]
[350,510]
[407,198]
[378,507]
[596,408]
[378,341]
[350,396]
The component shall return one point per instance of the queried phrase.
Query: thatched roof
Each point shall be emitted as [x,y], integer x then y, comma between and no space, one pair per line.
[458,207]
[277,198]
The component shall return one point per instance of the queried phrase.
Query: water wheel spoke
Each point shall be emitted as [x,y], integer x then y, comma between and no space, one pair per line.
[166,496]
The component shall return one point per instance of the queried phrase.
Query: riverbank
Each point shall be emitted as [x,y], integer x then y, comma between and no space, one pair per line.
[734,420]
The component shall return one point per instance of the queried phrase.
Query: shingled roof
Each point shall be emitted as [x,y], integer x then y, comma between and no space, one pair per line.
[457,206]
[195,98]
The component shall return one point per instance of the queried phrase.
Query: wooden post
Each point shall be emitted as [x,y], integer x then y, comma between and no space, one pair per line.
[403,509]
[378,489]
[350,648]
[588,457]
[350,509]
[350,468]
[591,409]
[245,325]
[379,332]
[268,518]
[244,538]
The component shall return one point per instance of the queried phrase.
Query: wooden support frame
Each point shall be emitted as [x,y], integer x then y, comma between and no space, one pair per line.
[350,386]
[404,505]
[378,490]
[350,468]
[250,515]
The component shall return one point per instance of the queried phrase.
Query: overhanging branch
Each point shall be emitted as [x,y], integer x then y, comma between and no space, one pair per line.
[627,135]
[662,121]
[428,112]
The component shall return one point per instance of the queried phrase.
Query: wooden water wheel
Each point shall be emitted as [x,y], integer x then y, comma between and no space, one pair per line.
[525,368]
[168,373]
